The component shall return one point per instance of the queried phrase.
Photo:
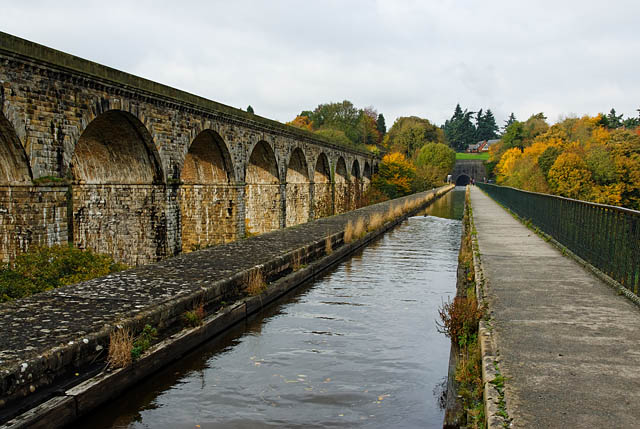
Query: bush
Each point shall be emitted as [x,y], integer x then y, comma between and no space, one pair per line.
[45,268]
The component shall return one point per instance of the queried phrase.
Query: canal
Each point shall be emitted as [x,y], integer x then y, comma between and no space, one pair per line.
[357,347]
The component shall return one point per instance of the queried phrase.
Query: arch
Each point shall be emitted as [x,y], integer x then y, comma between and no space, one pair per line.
[207,201]
[263,208]
[118,198]
[116,148]
[463,180]
[17,227]
[322,195]
[341,196]
[14,164]
[298,196]
[366,177]
[355,186]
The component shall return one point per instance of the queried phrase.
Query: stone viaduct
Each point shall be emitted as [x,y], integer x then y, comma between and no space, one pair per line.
[126,166]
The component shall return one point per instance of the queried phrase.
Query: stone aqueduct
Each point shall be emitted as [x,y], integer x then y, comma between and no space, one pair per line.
[113,162]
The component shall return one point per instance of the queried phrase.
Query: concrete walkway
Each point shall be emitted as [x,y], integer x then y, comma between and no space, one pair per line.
[568,345]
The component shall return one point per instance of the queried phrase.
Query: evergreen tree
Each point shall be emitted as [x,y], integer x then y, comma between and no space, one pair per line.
[459,130]
[509,121]
[250,109]
[486,127]
[380,124]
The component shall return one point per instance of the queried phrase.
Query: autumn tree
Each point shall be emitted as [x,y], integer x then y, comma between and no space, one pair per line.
[570,176]
[395,175]
[302,122]
[433,162]
[408,134]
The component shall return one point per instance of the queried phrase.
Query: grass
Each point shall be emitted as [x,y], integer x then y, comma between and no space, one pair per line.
[296,261]
[120,346]
[359,228]
[328,248]
[375,221]
[348,232]
[195,316]
[484,156]
[256,283]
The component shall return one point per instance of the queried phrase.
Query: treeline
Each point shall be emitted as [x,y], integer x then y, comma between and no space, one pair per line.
[466,128]
[344,123]
[590,158]
[415,154]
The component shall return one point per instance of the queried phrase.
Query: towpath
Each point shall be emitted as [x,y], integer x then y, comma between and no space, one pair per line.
[568,345]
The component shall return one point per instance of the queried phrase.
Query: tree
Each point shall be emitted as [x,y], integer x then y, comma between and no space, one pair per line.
[459,130]
[514,136]
[570,177]
[380,124]
[486,127]
[408,134]
[302,122]
[547,158]
[509,121]
[433,163]
[395,175]
[250,109]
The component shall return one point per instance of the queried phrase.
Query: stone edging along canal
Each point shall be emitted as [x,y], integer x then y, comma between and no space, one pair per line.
[49,376]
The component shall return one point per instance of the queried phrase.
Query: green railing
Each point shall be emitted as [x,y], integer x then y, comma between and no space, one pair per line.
[607,237]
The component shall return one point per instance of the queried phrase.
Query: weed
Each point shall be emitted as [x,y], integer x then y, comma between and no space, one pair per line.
[360,228]
[296,261]
[348,232]
[195,316]
[375,221]
[255,283]
[143,342]
[328,249]
[120,346]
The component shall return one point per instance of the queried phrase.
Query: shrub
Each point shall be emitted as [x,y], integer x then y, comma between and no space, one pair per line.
[460,319]
[45,268]
[194,317]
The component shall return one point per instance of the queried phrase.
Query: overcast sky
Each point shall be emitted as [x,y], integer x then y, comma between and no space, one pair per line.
[401,57]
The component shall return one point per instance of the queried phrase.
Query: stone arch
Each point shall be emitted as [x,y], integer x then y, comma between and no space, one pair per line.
[322,195]
[207,197]
[118,198]
[355,186]
[341,186]
[366,177]
[263,207]
[20,209]
[298,198]
[463,180]
[14,164]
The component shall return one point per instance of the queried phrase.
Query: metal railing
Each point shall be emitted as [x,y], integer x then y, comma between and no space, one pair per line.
[607,237]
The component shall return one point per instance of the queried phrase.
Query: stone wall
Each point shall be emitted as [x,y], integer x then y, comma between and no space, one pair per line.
[31,216]
[125,221]
[208,215]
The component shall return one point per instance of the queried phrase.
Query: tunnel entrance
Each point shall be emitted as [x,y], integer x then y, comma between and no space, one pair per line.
[463,180]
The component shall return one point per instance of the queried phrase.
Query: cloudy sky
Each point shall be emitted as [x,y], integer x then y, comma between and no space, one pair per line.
[401,57]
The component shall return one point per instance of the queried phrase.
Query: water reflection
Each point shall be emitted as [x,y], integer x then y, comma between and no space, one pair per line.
[356,348]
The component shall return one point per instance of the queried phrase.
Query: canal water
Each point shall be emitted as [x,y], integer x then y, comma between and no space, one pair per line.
[357,347]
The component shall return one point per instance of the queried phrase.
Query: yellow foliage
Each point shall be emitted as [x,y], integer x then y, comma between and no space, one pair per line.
[570,177]
[302,122]
[507,162]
